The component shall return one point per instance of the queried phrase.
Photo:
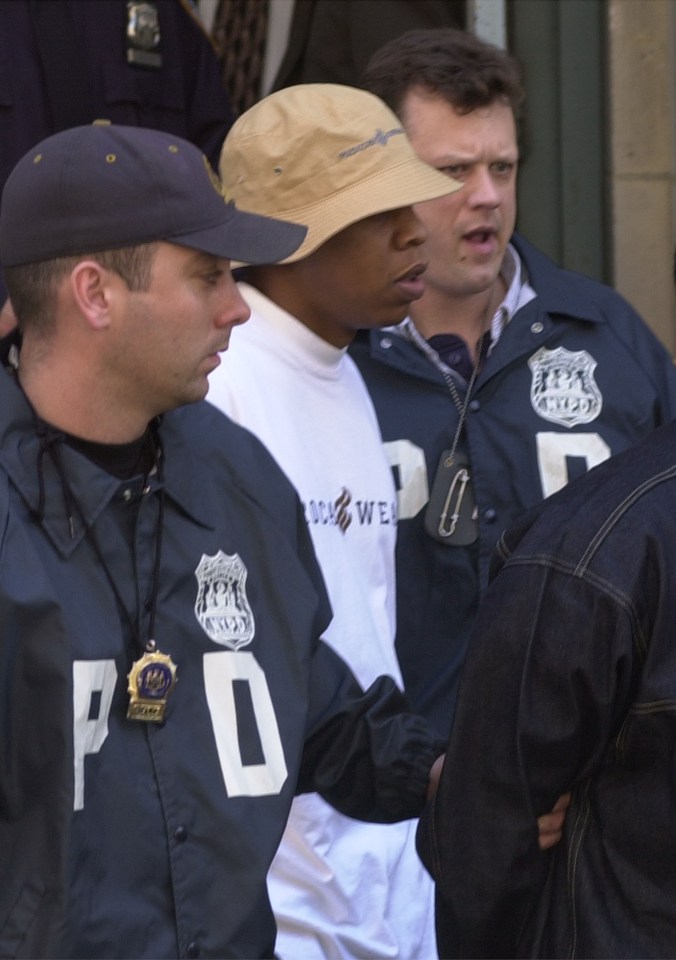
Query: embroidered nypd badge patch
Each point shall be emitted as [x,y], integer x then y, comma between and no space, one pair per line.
[563,389]
[222,608]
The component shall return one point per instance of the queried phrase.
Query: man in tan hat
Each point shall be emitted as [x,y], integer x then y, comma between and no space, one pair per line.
[337,160]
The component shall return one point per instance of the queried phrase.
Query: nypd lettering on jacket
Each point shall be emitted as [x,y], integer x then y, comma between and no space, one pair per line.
[575,377]
[123,838]
[223,612]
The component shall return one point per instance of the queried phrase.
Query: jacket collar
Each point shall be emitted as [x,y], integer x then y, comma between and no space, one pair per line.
[26,458]
[555,293]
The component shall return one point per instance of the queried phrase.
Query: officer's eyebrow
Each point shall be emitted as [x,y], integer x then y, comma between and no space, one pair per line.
[200,259]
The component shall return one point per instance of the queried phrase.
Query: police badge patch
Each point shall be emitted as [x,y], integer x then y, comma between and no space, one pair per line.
[563,389]
[222,608]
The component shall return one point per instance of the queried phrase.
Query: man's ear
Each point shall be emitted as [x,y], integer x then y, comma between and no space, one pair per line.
[7,318]
[91,288]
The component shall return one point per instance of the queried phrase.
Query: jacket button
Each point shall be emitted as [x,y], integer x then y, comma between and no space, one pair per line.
[180,834]
[192,950]
[537,327]
[475,405]
[385,343]
[490,515]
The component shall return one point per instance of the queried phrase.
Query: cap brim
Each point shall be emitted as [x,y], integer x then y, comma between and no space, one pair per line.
[247,238]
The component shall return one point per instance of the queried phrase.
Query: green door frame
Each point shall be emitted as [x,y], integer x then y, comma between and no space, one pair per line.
[563,203]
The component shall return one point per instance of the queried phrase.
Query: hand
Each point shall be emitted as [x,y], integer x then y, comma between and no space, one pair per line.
[550,825]
[435,773]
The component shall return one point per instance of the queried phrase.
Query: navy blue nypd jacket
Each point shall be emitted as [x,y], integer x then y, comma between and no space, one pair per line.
[575,377]
[120,838]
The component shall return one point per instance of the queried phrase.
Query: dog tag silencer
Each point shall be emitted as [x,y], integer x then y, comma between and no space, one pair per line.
[451,514]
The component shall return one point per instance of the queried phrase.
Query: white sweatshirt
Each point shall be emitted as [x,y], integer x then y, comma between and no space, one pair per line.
[339,888]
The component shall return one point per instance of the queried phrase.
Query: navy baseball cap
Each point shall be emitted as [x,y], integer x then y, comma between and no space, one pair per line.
[104,186]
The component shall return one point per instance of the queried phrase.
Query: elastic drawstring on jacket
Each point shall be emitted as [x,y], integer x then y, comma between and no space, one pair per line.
[50,441]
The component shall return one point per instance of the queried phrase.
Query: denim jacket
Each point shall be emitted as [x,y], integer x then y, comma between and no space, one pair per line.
[570,684]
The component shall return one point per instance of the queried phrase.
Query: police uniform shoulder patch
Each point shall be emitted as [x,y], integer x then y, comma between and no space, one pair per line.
[563,389]
[222,608]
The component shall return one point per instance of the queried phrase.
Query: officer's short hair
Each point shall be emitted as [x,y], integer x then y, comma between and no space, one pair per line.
[459,67]
[32,286]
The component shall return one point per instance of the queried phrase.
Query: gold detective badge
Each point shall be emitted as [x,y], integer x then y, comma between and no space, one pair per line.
[151,679]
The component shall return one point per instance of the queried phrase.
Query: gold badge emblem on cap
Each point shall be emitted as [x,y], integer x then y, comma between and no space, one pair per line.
[151,680]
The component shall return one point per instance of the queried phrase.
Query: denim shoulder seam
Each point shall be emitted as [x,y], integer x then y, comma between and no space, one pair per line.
[581,572]
[607,526]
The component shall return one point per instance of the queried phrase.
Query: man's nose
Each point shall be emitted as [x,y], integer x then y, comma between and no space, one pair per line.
[409,230]
[482,190]
[233,309]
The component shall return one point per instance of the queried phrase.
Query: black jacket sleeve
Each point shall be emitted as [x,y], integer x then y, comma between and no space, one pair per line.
[365,753]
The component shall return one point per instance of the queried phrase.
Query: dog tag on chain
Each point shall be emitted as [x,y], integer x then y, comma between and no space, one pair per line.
[451,515]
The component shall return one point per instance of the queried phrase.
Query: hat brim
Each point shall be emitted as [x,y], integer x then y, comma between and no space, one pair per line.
[410,182]
[246,237]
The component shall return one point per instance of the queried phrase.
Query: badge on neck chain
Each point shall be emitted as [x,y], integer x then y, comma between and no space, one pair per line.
[151,679]
[451,515]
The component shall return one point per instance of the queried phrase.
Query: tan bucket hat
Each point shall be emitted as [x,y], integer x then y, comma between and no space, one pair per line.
[324,155]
